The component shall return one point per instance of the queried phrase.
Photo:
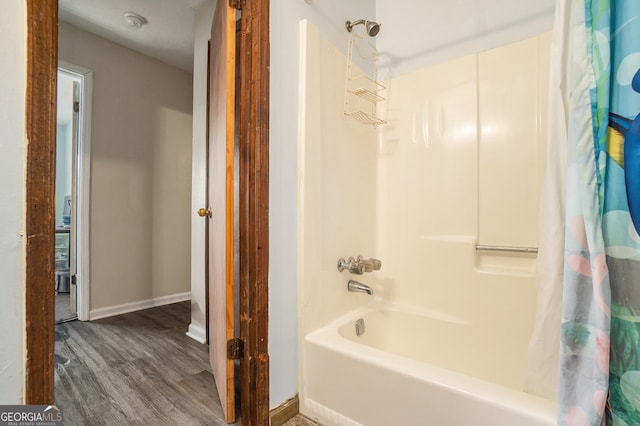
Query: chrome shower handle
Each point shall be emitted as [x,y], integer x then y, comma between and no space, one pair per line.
[344,264]
[351,265]
[359,265]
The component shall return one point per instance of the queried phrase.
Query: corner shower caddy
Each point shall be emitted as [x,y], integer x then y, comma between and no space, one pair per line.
[363,92]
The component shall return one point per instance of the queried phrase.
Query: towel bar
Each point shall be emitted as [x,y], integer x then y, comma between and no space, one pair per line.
[482,247]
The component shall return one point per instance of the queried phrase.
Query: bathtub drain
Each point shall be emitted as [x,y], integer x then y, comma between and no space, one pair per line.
[359,327]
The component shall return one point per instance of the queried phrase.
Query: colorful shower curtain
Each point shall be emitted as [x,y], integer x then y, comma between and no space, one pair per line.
[600,338]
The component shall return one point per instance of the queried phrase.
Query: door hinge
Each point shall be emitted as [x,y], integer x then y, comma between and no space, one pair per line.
[76,106]
[234,348]
[73,279]
[236,4]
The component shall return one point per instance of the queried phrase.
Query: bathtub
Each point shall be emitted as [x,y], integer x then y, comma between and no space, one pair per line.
[414,367]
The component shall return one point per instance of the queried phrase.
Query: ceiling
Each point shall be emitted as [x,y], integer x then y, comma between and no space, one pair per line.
[167,36]
[430,29]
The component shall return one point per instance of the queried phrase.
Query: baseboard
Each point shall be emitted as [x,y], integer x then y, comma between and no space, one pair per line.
[110,311]
[285,411]
[197,333]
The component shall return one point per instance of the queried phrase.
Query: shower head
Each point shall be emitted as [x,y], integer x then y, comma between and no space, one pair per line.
[373,28]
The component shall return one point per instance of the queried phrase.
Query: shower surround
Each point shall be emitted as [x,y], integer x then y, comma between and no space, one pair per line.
[458,164]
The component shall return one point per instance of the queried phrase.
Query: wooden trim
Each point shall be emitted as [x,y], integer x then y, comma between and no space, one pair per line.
[254,211]
[207,202]
[42,63]
[285,411]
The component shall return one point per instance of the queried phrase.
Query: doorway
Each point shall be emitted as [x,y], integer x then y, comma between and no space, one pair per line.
[41,18]
[72,190]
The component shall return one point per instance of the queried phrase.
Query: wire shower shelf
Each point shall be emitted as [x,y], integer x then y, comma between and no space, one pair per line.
[363,92]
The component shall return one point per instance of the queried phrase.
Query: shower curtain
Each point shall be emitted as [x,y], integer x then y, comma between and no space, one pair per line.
[541,374]
[599,369]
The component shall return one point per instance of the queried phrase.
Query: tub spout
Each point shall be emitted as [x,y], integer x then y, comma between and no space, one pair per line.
[358,287]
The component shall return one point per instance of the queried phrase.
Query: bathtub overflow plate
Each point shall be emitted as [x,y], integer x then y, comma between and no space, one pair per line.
[359,327]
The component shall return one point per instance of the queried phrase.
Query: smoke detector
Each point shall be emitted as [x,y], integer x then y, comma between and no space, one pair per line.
[134,20]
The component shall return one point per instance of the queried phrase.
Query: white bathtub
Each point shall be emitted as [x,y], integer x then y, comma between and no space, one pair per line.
[414,368]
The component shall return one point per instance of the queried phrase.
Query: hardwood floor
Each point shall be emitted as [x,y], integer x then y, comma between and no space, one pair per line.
[135,369]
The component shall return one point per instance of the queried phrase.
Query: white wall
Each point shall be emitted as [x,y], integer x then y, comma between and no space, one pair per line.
[12,201]
[141,171]
[416,33]
[204,17]
[329,16]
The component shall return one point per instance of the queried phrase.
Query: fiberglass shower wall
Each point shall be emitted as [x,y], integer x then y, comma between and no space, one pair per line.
[336,185]
[460,163]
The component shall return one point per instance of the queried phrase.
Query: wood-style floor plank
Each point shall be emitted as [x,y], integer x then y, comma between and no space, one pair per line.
[135,369]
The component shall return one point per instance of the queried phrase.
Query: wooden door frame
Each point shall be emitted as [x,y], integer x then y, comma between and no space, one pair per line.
[254,211]
[42,69]
[42,64]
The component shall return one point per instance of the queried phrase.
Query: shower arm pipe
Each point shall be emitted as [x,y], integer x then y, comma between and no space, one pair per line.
[372,28]
[351,24]
[509,249]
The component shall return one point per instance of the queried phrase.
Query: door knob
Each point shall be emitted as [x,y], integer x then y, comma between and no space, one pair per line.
[202,212]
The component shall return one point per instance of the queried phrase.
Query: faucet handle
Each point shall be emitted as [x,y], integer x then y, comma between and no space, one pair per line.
[351,265]
[357,268]
[370,264]
[375,263]
[344,264]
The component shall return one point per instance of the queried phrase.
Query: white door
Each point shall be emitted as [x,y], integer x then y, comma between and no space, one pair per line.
[73,165]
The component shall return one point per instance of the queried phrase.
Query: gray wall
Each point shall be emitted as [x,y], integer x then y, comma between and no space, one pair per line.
[140,171]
